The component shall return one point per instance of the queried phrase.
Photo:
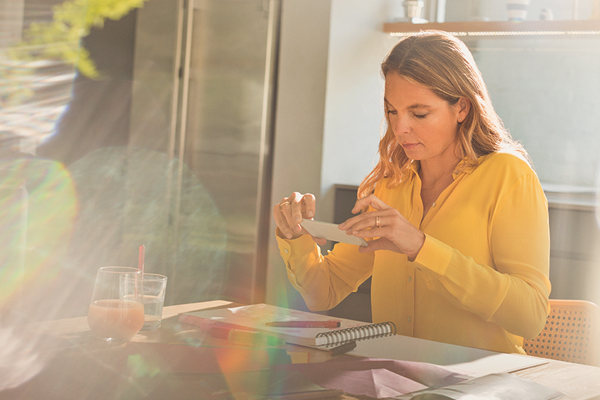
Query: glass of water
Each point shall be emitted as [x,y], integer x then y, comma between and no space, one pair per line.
[152,288]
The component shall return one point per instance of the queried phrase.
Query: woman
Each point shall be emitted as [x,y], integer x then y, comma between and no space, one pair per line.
[455,217]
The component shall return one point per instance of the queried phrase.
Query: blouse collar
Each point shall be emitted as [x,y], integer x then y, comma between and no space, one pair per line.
[464,166]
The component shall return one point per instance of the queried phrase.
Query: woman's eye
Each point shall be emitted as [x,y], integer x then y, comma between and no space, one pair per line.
[420,116]
[392,112]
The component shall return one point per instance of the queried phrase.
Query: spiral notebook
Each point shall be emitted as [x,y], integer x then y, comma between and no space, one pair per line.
[337,337]
[257,315]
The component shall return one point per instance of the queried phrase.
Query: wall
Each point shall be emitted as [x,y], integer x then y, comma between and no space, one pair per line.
[354,105]
[299,122]
[546,91]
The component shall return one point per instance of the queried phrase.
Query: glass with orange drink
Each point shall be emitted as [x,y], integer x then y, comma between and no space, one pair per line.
[111,316]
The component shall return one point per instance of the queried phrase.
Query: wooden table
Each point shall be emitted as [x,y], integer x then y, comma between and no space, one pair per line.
[70,373]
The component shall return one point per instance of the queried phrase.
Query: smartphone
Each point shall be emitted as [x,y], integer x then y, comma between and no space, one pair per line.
[331,232]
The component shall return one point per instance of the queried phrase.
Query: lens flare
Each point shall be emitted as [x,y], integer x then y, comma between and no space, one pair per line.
[20,360]
[38,207]
[126,198]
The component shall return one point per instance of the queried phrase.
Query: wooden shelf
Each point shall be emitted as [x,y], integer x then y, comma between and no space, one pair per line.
[500,28]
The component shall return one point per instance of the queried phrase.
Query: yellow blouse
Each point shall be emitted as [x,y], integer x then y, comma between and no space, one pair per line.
[481,277]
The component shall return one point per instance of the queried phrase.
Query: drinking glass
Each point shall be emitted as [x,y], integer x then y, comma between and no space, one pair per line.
[111,316]
[154,287]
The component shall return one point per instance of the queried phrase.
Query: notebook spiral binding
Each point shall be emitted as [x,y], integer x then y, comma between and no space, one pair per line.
[363,332]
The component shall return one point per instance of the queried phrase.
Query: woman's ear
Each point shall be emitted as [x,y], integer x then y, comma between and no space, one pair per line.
[463,107]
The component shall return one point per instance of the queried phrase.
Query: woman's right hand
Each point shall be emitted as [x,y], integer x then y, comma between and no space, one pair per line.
[289,213]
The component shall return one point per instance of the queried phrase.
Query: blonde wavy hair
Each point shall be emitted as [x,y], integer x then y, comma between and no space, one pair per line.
[444,64]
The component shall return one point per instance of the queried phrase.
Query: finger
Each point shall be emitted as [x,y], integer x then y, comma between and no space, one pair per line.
[370,200]
[369,220]
[320,241]
[281,219]
[370,225]
[377,244]
[290,211]
[310,205]
[285,207]
[303,206]
[349,224]
[294,212]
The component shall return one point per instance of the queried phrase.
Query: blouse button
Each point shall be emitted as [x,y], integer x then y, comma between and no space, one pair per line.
[286,251]
[433,205]
[409,319]
[410,278]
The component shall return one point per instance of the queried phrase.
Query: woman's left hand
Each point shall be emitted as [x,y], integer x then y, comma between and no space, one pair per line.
[393,231]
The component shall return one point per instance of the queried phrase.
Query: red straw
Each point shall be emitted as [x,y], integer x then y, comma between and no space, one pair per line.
[141,269]
[141,259]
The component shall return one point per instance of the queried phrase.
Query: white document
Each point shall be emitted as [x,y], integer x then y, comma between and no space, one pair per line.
[496,364]
[331,232]
[464,360]
[493,386]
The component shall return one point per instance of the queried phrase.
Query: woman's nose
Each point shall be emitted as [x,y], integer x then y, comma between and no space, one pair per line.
[400,125]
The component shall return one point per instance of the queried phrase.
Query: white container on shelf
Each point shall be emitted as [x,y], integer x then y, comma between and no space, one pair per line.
[517,9]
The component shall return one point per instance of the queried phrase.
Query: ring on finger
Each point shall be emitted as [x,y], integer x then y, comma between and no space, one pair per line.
[377,222]
[281,205]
